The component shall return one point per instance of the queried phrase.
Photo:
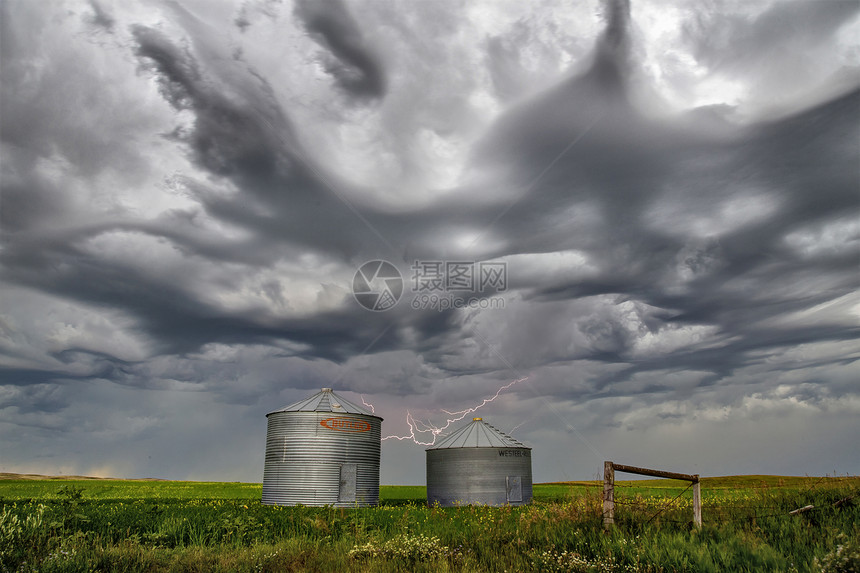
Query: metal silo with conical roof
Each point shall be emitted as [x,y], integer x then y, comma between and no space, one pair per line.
[323,450]
[479,464]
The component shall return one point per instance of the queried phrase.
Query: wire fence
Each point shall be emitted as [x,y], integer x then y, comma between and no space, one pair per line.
[765,501]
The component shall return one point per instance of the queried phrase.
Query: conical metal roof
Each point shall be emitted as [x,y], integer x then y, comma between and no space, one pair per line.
[326,401]
[478,434]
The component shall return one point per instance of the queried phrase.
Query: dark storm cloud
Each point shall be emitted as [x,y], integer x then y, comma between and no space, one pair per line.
[170,311]
[101,17]
[354,66]
[228,136]
[622,163]
[250,139]
[247,139]
[648,183]
[28,201]
[637,260]
[688,246]
[251,8]
[787,47]
[505,68]
[781,30]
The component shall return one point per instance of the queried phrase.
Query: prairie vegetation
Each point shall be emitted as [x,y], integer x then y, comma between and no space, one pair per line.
[153,526]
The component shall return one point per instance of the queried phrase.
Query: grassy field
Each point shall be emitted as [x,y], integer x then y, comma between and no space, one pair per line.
[15,487]
[50,525]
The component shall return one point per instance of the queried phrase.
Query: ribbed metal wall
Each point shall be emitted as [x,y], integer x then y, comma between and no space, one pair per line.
[306,455]
[462,476]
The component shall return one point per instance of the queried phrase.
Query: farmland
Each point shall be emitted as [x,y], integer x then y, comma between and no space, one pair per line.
[149,526]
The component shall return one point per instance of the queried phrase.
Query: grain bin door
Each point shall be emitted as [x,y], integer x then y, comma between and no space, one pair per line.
[347,483]
[514,488]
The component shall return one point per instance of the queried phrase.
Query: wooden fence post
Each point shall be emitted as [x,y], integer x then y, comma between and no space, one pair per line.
[697,503]
[608,495]
[609,469]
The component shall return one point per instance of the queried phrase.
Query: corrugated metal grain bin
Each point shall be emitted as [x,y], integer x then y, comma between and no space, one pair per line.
[479,464]
[322,451]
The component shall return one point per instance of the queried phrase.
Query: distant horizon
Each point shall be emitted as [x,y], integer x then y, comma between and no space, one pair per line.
[13,475]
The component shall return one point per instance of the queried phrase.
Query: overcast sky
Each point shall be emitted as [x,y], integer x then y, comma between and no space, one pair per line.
[188,190]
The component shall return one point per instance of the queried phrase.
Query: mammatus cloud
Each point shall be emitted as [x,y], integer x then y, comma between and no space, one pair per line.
[354,66]
[187,193]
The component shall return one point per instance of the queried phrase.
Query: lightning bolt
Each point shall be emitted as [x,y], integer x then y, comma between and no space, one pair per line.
[372,410]
[514,429]
[419,427]
[524,422]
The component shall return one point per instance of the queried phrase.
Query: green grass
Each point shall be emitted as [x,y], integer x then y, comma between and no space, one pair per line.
[153,526]
[23,489]
[18,489]
[399,494]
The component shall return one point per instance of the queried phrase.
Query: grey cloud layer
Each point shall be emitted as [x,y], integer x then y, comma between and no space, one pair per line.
[359,70]
[641,245]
